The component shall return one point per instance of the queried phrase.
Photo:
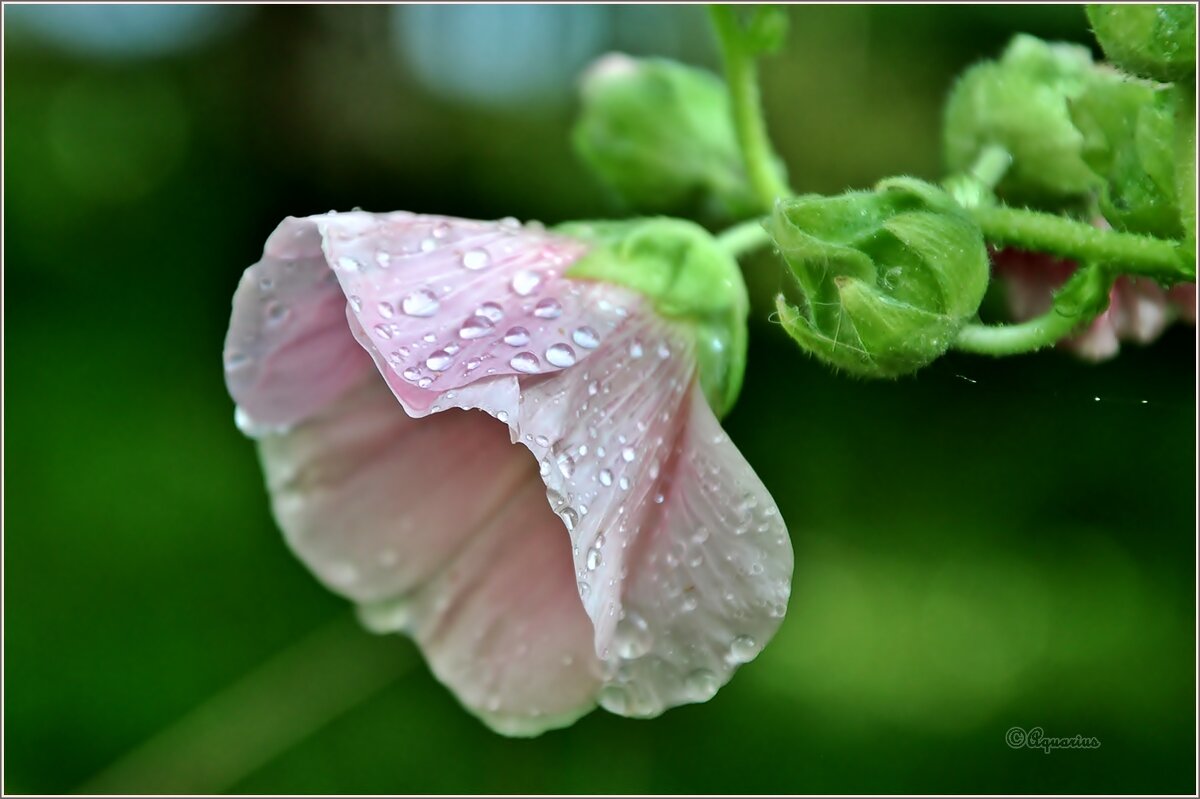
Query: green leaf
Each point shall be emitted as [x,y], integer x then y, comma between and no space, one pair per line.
[1152,41]
[690,279]
[1020,105]
[1128,129]
[660,135]
[886,278]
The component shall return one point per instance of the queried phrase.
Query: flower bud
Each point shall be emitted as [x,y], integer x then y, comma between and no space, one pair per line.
[1020,103]
[660,135]
[680,267]
[1128,129]
[1152,41]
[886,278]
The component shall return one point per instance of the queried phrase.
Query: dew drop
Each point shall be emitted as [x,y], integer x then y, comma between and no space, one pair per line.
[627,454]
[586,337]
[743,649]
[566,465]
[548,308]
[502,416]
[475,259]
[623,483]
[570,518]
[439,361]
[475,327]
[701,685]
[425,382]
[664,352]
[383,259]
[525,282]
[349,264]
[428,245]
[410,374]
[525,362]
[560,355]
[542,441]
[277,313]
[490,311]
[632,636]
[635,349]
[383,331]
[614,699]
[593,388]
[593,559]
[605,477]
[422,303]
[516,337]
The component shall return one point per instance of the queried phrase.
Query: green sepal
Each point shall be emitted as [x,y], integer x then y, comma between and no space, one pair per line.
[1019,104]
[660,135]
[680,267]
[1152,41]
[1128,129]
[886,278]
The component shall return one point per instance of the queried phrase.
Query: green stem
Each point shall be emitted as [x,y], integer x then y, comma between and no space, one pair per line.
[743,237]
[1029,336]
[1128,252]
[741,74]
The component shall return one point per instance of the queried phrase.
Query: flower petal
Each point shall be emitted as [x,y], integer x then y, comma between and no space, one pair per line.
[287,353]
[683,560]
[445,302]
[439,527]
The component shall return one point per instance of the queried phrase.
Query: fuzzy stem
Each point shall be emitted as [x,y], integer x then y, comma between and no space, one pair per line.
[743,238]
[741,74]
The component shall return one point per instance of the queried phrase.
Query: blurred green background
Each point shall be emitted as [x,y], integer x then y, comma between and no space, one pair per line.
[990,544]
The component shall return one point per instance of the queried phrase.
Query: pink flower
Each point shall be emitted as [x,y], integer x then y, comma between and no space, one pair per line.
[624,553]
[1139,309]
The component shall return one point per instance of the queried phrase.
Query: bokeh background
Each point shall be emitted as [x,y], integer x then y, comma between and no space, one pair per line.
[989,544]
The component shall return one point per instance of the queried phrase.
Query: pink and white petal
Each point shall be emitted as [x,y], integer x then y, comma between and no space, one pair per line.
[445,302]
[503,625]
[1183,299]
[375,502]
[1139,309]
[684,565]
[287,352]
[439,527]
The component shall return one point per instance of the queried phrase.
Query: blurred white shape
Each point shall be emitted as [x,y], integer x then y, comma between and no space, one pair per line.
[118,31]
[496,55]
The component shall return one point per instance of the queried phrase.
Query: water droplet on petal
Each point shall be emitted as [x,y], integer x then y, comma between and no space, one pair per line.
[490,311]
[627,454]
[525,282]
[349,264]
[605,477]
[386,310]
[525,362]
[516,337]
[439,361]
[383,259]
[428,245]
[410,374]
[593,559]
[475,259]
[570,518]
[560,355]
[632,637]
[566,465]
[383,331]
[586,337]
[476,327]
[635,349]
[701,685]
[547,309]
[743,649]
[422,303]
[425,382]
[502,416]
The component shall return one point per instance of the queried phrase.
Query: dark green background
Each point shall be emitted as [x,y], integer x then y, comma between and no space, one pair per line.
[987,545]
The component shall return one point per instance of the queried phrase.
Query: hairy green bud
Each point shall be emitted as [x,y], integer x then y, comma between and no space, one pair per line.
[1152,41]
[886,277]
[690,279]
[661,136]
[1020,104]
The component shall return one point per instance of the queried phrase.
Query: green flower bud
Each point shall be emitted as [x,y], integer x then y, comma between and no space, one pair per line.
[1153,41]
[1019,103]
[887,278]
[690,279]
[660,134]
[1128,129]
